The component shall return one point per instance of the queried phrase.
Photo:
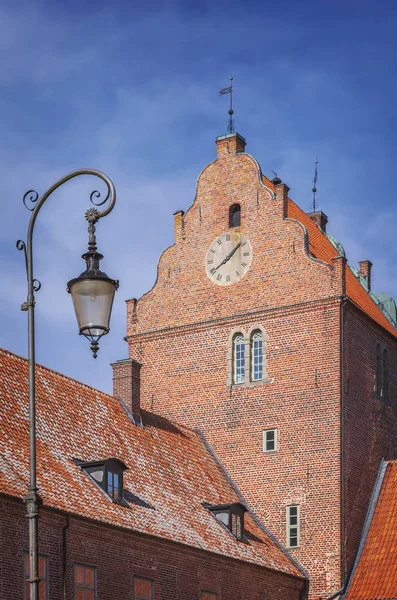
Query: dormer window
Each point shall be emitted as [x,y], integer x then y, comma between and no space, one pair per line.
[108,474]
[235,215]
[231,516]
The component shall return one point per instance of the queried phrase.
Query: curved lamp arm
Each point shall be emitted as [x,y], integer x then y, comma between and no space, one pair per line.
[31,197]
[33,203]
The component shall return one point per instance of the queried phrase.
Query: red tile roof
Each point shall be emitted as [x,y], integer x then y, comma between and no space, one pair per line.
[170,471]
[321,247]
[375,576]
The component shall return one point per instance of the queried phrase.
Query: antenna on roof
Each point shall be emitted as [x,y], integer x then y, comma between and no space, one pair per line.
[314,190]
[229,90]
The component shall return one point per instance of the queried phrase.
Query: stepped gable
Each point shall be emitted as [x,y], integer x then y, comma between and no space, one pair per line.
[321,247]
[170,471]
[375,573]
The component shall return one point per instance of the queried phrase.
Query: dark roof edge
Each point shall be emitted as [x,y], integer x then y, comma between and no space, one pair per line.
[245,503]
[367,523]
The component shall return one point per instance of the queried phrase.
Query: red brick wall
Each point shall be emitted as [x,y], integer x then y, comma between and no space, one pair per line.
[118,555]
[370,423]
[180,330]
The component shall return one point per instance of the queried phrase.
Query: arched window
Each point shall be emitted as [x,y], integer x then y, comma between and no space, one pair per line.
[257,356]
[385,375]
[238,358]
[234,215]
[379,372]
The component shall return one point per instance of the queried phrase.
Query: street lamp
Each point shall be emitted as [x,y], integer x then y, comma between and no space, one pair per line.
[92,294]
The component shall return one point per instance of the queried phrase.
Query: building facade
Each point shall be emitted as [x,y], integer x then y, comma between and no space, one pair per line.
[259,333]
[133,510]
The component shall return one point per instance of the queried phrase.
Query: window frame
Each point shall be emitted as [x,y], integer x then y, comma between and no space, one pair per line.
[234,515]
[75,589]
[210,595]
[109,465]
[26,574]
[264,440]
[234,209]
[141,578]
[253,363]
[385,372]
[238,370]
[290,526]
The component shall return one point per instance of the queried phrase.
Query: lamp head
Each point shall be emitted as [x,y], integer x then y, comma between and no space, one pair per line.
[93,294]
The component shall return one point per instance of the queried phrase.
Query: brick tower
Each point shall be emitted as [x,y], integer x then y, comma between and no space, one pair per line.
[259,333]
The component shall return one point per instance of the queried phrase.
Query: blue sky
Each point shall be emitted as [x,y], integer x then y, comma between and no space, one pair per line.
[132,89]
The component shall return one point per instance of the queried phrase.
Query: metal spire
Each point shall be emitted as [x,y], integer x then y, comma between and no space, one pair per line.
[229,90]
[314,190]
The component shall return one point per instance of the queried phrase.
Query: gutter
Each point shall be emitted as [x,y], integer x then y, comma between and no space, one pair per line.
[64,556]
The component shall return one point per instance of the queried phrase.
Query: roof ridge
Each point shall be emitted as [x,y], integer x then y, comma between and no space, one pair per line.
[257,520]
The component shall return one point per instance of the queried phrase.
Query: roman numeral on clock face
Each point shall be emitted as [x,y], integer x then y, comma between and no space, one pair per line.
[227,277]
[219,277]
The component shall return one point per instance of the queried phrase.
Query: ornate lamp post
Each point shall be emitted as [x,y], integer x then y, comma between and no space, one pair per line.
[92,293]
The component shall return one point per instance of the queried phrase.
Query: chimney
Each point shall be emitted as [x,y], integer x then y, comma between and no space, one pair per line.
[230,144]
[365,271]
[320,219]
[127,385]
[178,225]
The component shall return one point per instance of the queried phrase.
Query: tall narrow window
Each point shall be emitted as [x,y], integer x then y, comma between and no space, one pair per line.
[379,372]
[257,356]
[234,215]
[43,577]
[84,582]
[293,526]
[113,485]
[385,375]
[143,588]
[238,359]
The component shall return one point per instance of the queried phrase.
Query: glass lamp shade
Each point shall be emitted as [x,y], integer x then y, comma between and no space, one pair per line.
[93,300]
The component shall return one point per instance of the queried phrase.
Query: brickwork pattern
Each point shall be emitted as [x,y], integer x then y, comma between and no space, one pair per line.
[118,555]
[370,423]
[181,332]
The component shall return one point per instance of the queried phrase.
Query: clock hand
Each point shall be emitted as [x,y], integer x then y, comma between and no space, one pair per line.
[228,257]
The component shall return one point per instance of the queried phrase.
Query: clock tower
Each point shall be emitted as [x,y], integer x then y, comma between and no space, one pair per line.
[250,334]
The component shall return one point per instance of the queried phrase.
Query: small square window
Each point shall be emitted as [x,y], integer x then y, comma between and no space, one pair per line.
[270,440]
[143,588]
[84,582]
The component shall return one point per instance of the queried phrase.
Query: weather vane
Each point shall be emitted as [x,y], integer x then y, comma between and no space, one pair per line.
[314,190]
[229,90]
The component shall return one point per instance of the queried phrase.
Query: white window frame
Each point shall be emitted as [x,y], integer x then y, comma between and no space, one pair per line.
[238,376]
[257,335]
[265,432]
[292,526]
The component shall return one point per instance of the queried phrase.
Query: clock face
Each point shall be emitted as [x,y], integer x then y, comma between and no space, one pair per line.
[228,258]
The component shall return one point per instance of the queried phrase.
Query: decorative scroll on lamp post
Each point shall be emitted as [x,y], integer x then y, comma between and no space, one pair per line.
[92,294]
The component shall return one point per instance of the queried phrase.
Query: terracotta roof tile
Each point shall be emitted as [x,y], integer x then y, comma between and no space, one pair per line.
[321,248]
[375,577]
[170,472]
